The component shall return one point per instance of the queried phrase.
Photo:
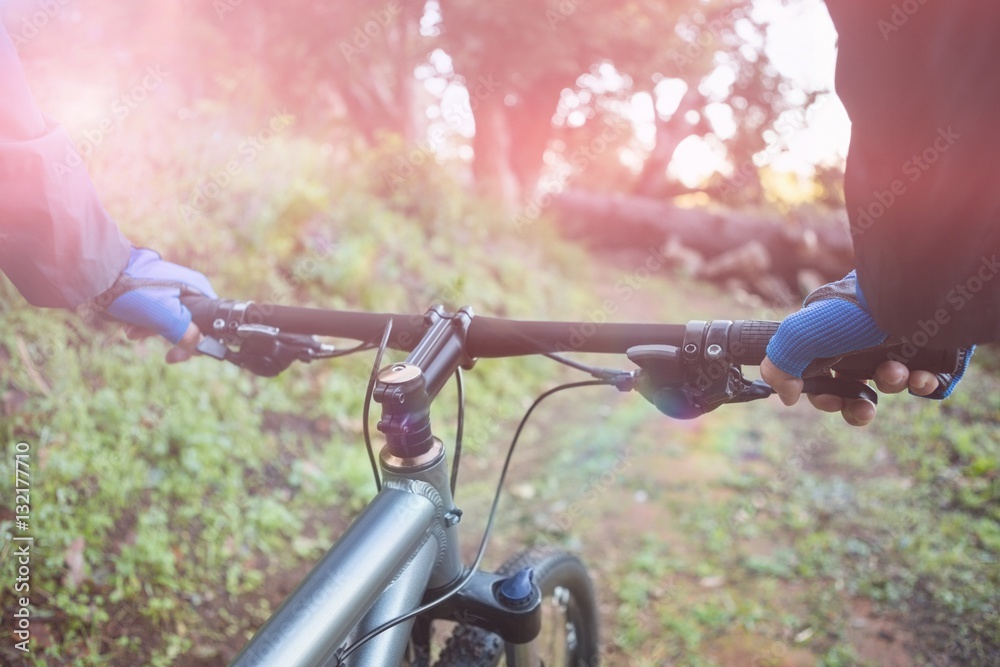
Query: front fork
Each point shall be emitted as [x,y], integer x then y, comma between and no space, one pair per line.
[414,460]
[508,606]
[523,655]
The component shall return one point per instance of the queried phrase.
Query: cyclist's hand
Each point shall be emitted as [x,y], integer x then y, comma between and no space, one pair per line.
[152,303]
[891,377]
[834,321]
[184,348]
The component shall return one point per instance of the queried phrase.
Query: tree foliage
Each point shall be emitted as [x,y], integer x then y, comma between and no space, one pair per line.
[521,60]
[548,80]
[540,51]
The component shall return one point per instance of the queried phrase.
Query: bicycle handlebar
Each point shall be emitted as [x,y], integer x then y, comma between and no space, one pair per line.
[487,337]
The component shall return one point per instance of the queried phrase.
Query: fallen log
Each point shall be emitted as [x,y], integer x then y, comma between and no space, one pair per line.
[732,244]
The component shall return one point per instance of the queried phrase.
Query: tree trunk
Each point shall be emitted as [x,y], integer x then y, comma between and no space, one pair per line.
[491,145]
[669,135]
[530,127]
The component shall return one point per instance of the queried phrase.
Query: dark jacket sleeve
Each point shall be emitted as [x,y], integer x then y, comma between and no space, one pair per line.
[921,84]
[57,243]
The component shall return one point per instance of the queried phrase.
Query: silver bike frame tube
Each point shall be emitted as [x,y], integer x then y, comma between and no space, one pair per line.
[405,593]
[437,565]
[318,616]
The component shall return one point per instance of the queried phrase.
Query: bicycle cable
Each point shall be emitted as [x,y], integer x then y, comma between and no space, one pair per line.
[349,650]
[594,371]
[459,428]
[368,402]
[363,347]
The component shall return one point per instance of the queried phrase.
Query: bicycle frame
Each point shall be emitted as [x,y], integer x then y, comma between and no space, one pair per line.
[403,546]
[400,546]
[403,550]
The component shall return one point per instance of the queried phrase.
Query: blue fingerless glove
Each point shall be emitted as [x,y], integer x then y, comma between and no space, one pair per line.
[834,321]
[833,324]
[948,381]
[151,290]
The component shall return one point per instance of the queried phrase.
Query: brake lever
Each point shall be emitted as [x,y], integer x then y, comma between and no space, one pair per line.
[263,350]
[850,389]
[213,347]
[753,391]
[686,386]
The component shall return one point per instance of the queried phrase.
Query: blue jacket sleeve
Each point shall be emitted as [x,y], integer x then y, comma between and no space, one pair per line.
[57,243]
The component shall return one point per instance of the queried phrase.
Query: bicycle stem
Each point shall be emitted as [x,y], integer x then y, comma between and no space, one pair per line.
[406,390]
[442,349]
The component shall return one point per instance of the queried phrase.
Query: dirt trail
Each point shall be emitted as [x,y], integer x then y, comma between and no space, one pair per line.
[632,491]
[630,521]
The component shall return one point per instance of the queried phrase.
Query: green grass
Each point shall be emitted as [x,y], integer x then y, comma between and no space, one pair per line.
[172,505]
[771,530]
[183,489]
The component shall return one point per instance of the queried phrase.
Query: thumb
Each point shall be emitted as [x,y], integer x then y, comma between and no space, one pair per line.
[186,346]
[786,386]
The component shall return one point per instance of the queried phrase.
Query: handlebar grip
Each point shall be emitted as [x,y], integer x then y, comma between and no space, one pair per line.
[861,365]
[203,309]
[748,340]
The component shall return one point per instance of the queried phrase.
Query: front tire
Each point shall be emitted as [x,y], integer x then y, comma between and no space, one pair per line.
[568,637]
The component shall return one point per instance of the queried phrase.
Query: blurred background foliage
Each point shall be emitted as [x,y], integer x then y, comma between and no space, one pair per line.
[540,76]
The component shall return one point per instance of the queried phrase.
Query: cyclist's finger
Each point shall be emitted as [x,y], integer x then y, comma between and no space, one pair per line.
[826,402]
[858,412]
[186,346]
[891,377]
[133,332]
[923,382]
[787,387]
